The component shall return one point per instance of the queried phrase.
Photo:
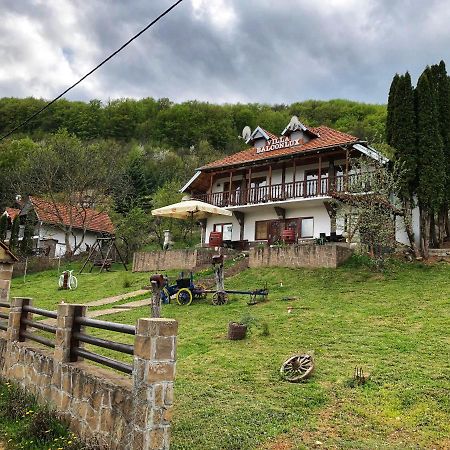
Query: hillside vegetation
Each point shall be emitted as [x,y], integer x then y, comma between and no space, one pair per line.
[162,122]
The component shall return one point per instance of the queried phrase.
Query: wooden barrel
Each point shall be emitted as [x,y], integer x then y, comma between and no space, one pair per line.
[215,239]
[288,236]
[236,331]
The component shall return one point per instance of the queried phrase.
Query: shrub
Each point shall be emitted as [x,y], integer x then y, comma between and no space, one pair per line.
[126,282]
[16,403]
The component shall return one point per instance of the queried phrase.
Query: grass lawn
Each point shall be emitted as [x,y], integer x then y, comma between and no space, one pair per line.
[42,287]
[229,394]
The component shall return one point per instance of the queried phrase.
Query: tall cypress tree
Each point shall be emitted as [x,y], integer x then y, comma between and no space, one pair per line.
[431,173]
[391,119]
[26,244]
[14,239]
[441,84]
[401,135]
[3,226]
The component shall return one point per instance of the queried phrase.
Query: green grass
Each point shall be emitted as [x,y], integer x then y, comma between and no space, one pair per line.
[395,325]
[43,287]
[26,425]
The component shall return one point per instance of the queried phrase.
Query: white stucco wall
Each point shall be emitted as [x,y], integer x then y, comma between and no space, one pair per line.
[49,232]
[315,209]
[400,230]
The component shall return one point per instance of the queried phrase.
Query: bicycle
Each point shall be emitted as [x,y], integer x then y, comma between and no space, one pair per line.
[72,282]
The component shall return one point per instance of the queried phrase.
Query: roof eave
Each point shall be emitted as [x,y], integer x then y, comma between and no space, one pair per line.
[287,156]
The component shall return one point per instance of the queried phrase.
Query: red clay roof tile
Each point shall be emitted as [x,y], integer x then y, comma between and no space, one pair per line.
[12,212]
[327,138]
[59,213]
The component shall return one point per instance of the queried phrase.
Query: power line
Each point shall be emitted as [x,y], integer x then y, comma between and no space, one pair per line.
[92,71]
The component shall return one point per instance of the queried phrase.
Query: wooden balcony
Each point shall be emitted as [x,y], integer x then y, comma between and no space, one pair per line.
[278,192]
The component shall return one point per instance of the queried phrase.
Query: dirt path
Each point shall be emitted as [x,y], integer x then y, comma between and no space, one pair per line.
[118,308]
[117,298]
[108,301]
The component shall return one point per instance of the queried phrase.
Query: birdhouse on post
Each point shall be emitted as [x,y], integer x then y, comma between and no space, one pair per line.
[7,260]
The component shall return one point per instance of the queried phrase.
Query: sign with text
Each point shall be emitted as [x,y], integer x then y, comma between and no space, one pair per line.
[276,144]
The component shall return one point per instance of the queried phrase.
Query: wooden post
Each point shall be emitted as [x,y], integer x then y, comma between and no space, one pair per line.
[270,182]
[283,180]
[346,169]
[229,188]
[156,299]
[319,178]
[249,186]
[293,180]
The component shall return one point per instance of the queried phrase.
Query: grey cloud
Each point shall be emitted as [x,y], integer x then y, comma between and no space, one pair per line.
[273,52]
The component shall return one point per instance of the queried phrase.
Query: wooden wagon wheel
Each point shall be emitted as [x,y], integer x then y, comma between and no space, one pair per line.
[200,294]
[219,298]
[297,368]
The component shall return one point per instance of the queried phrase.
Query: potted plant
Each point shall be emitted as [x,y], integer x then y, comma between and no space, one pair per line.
[238,330]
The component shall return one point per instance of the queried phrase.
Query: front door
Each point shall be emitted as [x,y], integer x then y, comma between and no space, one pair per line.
[275,229]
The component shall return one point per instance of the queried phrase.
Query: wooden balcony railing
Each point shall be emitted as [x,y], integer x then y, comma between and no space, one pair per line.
[279,192]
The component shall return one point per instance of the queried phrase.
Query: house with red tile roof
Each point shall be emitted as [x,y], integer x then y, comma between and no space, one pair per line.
[280,185]
[58,225]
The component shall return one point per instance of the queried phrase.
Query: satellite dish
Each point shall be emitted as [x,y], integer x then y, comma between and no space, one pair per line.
[294,123]
[246,133]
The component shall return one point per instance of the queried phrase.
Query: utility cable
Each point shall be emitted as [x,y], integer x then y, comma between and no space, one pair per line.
[92,71]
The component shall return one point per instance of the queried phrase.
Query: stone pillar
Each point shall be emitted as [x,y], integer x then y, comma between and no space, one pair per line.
[6,270]
[15,315]
[153,377]
[64,331]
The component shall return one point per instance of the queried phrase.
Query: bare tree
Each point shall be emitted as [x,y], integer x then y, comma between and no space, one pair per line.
[371,204]
[74,179]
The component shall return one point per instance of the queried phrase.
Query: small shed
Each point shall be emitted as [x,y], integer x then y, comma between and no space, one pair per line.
[7,260]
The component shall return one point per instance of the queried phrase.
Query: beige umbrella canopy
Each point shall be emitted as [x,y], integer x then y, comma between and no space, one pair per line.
[190,209]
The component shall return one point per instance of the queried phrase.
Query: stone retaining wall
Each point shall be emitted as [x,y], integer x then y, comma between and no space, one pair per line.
[122,412]
[6,271]
[312,256]
[174,259]
[95,402]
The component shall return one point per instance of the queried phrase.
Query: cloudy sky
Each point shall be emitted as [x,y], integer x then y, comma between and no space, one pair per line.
[274,51]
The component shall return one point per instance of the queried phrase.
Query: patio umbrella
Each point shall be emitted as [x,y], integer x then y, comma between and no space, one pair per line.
[190,209]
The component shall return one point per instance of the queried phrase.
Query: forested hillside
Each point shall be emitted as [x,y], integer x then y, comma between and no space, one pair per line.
[161,122]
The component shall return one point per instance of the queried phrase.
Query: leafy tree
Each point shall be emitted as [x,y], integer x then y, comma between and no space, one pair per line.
[15,229]
[166,195]
[134,230]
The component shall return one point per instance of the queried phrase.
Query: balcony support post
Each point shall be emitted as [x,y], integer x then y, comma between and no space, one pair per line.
[331,174]
[211,180]
[319,178]
[230,187]
[294,190]
[249,185]
[346,169]
[240,218]
[270,182]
